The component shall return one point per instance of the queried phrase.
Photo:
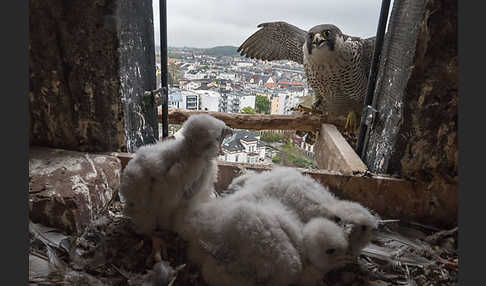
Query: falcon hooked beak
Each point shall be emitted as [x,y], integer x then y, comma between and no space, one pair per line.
[318,40]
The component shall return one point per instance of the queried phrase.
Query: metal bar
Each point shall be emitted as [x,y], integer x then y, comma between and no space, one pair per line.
[380,35]
[164,74]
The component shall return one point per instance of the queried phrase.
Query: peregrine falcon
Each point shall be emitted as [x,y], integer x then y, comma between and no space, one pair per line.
[336,65]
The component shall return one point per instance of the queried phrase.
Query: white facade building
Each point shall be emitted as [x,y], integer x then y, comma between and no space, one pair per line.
[209,99]
[289,100]
[247,101]
[243,146]
[193,75]
[234,101]
[227,76]
[191,85]
[244,64]
[175,98]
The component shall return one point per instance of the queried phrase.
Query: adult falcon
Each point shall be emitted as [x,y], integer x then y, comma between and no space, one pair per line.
[336,65]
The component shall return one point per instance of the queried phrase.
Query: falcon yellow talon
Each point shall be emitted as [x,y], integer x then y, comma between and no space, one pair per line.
[304,109]
[351,122]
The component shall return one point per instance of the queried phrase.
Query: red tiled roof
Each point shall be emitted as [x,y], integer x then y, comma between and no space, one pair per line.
[290,82]
[271,85]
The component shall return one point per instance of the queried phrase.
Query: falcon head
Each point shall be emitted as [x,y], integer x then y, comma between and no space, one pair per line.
[322,38]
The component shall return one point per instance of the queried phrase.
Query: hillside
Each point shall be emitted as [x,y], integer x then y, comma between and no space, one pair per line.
[220,51]
[217,51]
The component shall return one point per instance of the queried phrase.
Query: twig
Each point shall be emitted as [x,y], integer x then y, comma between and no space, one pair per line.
[120,271]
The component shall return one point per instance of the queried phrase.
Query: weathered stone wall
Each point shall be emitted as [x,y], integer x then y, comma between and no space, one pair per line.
[87,73]
[415,133]
[137,70]
[74,75]
[432,98]
[68,189]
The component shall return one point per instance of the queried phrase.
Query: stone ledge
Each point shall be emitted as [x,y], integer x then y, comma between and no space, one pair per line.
[68,188]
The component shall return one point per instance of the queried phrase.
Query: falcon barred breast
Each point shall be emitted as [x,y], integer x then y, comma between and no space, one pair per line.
[336,65]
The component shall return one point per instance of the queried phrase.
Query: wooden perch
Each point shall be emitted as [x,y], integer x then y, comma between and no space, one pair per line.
[304,122]
[332,152]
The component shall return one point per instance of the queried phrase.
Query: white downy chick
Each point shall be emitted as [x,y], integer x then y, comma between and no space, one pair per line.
[248,243]
[299,192]
[326,248]
[359,224]
[238,182]
[164,180]
[309,199]
[244,242]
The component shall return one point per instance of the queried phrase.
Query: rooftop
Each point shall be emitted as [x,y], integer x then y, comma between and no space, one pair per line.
[233,143]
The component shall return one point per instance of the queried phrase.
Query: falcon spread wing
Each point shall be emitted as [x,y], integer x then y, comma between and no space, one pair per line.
[368,47]
[275,41]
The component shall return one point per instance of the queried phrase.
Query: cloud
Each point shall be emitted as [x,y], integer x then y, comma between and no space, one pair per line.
[212,23]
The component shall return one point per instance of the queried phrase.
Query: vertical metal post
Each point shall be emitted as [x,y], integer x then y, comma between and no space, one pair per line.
[364,127]
[164,70]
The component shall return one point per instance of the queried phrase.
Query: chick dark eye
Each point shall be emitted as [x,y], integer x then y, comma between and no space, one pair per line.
[337,219]
[364,228]
[330,251]
[327,33]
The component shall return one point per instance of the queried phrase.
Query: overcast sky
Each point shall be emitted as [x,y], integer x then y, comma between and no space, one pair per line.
[209,23]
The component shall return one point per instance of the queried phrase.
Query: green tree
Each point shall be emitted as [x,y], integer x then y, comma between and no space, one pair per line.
[248,110]
[272,137]
[290,157]
[262,104]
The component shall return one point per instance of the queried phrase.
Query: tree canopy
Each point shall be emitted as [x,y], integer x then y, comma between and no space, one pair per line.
[248,110]
[262,104]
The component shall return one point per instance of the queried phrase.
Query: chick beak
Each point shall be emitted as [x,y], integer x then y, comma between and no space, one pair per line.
[318,40]
[348,259]
[348,228]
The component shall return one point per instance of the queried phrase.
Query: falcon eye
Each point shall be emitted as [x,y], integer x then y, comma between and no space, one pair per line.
[327,33]
[330,251]
[337,219]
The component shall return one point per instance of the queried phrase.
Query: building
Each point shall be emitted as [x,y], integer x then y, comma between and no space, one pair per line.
[270,83]
[243,64]
[234,101]
[227,76]
[189,100]
[289,100]
[175,98]
[209,99]
[195,75]
[275,105]
[247,101]
[243,146]
[306,147]
[192,101]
